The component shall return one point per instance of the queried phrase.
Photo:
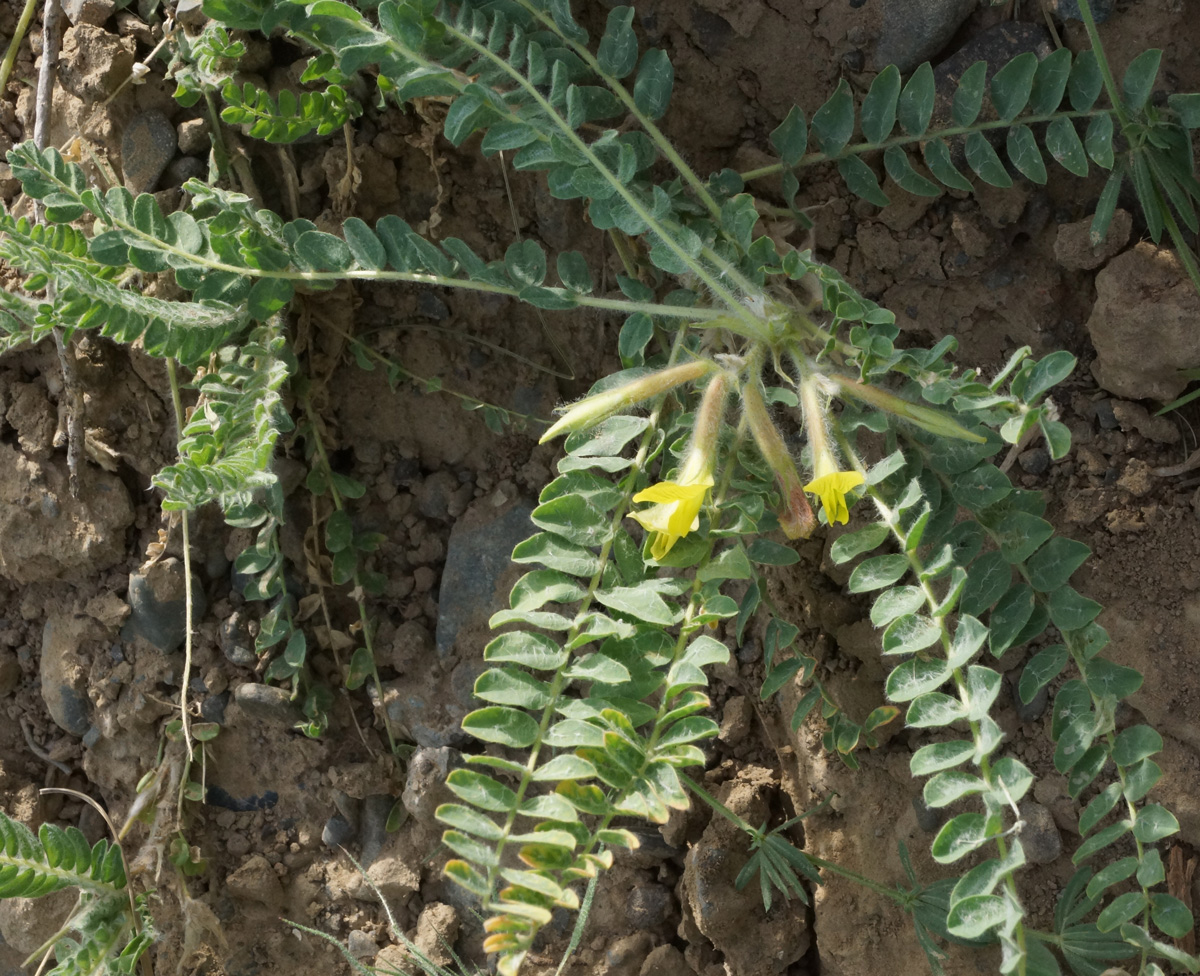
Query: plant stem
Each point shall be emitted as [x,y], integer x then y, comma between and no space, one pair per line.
[14,45]
[184,717]
[1110,83]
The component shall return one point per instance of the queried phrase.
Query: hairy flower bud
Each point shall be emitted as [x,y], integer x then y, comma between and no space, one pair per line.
[591,410]
[934,421]
[796,515]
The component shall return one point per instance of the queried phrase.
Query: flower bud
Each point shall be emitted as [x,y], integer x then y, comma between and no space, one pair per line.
[591,410]
[934,421]
[796,515]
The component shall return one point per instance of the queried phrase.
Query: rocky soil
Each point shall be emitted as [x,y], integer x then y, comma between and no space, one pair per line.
[91,607]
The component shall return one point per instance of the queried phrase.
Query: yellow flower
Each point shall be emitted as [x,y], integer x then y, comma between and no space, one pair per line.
[831,488]
[676,514]
[829,484]
[677,511]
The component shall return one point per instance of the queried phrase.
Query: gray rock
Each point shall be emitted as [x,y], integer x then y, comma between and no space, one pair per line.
[184,168]
[649,906]
[212,709]
[158,608]
[425,787]
[375,811]
[94,12]
[360,945]
[913,31]
[1106,414]
[147,146]
[64,669]
[477,554]
[1040,837]
[337,832]
[236,643]
[429,305]
[434,493]
[419,710]
[1034,461]
[267,704]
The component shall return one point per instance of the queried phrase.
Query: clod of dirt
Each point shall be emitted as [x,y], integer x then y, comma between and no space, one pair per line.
[1073,246]
[754,943]
[26,923]
[94,12]
[158,605]
[912,31]
[33,418]
[256,881]
[666,960]
[147,146]
[1133,416]
[437,928]
[425,789]
[94,62]
[45,534]
[1143,324]
[193,136]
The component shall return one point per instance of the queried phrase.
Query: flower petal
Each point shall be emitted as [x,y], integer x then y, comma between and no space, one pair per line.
[668,491]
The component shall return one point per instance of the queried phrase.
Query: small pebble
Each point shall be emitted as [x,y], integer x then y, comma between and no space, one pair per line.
[1028,712]
[147,146]
[1034,461]
[337,832]
[375,810]
[212,709]
[94,12]
[1039,837]
[192,136]
[1105,414]
[361,945]
[266,703]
